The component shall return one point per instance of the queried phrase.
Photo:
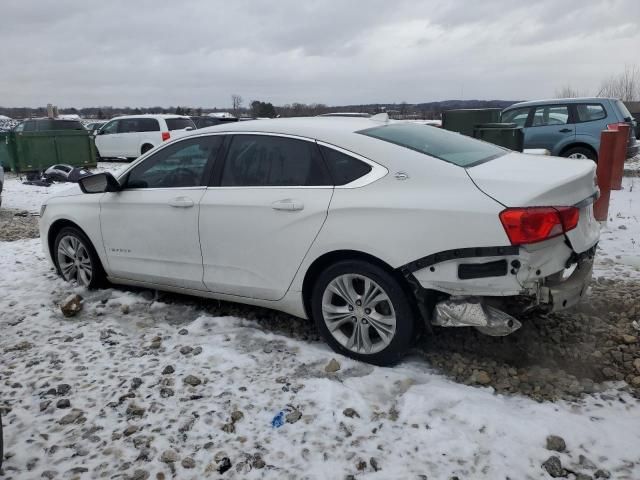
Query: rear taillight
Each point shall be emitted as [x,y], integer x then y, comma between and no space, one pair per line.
[535,224]
[165,136]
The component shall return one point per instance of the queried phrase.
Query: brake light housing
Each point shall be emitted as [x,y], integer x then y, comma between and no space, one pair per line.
[536,224]
[165,136]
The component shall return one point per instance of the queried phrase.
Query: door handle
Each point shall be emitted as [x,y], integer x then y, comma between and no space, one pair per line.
[288,204]
[565,130]
[181,202]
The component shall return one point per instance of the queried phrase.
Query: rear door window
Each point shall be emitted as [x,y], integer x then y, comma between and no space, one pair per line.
[517,115]
[127,125]
[263,160]
[179,123]
[436,142]
[550,115]
[344,168]
[590,112]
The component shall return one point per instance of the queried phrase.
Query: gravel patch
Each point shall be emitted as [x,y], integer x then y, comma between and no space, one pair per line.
[17,224]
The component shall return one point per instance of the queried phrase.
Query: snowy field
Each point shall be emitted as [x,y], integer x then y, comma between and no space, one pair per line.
[140,385]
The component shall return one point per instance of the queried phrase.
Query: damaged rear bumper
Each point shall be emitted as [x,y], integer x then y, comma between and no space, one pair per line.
[567,288]
[549,277]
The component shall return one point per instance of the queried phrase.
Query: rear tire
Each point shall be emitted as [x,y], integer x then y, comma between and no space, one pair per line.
[362,312]
[145,148]
[76,259]
[581,153]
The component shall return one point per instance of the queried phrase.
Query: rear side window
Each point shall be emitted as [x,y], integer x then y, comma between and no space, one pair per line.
[262,160]
[590,112]
[435,142]
[343,168]
[517,116]
[179,123]
[550,115]
[624,111]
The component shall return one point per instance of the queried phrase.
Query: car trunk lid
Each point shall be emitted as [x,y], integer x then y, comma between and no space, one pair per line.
[520,180]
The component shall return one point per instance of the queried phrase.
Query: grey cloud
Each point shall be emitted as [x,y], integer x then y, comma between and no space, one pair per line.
[199,52]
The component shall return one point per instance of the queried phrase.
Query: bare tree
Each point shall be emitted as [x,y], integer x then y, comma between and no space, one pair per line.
[625,86]
[568,91]
[236,102]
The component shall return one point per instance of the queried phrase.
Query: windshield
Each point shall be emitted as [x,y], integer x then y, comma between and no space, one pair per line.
[179,123]
[444,145]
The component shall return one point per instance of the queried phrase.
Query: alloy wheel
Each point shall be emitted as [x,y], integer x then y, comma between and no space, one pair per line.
[580,156]
[358,313]
[74,261]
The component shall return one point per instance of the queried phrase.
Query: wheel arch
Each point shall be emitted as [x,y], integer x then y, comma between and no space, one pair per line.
[146,144]
[578,145]
[329,258]
[56,227]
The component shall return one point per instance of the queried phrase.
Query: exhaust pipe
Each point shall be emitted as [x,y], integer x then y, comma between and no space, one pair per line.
[472,312]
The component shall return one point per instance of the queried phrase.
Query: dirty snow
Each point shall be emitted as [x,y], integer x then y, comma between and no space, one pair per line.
[410,420]
[619,248]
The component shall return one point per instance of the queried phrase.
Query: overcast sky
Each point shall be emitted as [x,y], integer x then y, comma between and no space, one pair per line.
[199,52]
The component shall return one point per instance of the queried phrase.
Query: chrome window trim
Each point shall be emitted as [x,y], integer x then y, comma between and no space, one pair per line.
[377,171]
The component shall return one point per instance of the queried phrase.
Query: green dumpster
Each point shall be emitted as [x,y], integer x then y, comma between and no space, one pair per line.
[507,135]
[465,120]
[36,151]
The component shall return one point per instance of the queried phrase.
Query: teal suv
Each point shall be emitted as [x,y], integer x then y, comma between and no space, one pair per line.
[570,127]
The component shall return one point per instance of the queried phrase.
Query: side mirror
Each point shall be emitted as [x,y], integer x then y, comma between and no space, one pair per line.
[99,183]
[188,129]
[99,132]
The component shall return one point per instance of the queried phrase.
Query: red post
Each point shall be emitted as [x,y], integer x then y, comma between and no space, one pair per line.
[604,174]
[620,155]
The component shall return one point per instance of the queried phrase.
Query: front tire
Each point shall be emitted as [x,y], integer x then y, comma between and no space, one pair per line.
[362,312]
[76,260]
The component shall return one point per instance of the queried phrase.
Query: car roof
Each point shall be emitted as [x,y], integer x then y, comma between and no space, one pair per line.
[319,128]
[150,115]
[557,101]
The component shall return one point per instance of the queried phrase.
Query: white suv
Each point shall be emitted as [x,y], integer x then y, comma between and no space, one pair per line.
[133,135]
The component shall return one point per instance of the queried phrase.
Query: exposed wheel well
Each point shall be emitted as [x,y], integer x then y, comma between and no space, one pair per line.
[322,262]
[145,148]
[55,229]
[578,145]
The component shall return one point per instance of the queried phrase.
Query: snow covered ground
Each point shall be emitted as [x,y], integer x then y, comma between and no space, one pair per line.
[170,389]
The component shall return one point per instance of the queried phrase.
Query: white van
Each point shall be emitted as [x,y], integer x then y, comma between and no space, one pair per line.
[132,135]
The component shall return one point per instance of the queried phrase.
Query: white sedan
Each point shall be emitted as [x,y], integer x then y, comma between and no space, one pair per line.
[374,229]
